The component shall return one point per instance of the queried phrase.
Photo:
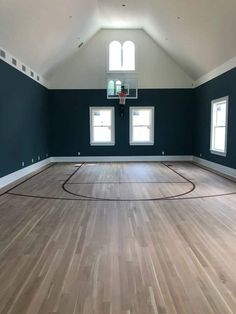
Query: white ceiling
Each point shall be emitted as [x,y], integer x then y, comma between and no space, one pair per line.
[198,34]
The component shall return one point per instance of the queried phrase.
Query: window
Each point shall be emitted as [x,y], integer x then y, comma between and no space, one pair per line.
[219,117]
[115,52]
[102,126]
[128,61]
[141,126]
[121,57]
[114,87]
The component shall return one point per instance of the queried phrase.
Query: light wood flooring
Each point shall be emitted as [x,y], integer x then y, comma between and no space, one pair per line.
[119,238]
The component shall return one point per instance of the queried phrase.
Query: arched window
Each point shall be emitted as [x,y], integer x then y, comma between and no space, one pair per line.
[128,56]
[115,52]
[118,87]
[111,88]
[121,57]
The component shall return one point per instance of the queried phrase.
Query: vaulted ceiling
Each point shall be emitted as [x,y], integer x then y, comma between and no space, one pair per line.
[198,34]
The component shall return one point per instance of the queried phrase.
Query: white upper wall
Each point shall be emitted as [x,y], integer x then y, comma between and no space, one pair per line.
[87,69]
[198,34]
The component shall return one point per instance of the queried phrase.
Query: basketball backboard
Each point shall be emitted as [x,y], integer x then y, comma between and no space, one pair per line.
[117,84]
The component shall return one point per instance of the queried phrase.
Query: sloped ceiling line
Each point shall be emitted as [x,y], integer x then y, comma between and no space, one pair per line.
[198,35]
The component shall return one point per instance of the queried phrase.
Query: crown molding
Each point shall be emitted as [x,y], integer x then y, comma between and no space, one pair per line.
[223,68]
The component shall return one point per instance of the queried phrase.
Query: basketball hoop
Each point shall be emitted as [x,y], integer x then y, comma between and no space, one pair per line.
[122,97]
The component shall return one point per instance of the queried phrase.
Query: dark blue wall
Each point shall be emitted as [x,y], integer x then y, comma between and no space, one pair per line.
[224,85]
[24,124]
[174,113]
[36,122]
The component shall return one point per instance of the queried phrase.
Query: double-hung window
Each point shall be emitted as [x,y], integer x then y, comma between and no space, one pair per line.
[141,126]
[102,126]
[219,121]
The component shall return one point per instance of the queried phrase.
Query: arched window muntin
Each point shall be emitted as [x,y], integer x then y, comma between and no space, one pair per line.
[121,56]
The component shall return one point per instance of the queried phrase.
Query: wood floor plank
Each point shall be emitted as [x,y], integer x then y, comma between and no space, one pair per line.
[64,254]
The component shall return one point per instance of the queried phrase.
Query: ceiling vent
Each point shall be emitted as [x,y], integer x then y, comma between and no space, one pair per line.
[17,64]
[14,62]
[2,54]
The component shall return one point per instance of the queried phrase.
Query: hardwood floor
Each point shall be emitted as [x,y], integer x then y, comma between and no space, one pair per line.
[69,251]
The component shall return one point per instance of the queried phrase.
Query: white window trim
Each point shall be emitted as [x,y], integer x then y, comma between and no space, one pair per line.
[112,142]
[149,143]
[212,150]
[121,71]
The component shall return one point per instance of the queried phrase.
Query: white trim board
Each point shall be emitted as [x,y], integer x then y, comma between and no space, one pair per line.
[19,174]
[14,176]
[223,68]
[121,158]
[218,168]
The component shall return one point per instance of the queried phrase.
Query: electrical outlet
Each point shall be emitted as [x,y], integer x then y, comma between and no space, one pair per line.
[38,157]
[32,160]
[23,163]
[78,153]
[200,154]
[163,153]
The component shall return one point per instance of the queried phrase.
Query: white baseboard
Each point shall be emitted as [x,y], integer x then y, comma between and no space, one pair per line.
[10,178]
[225,171]
[120,158]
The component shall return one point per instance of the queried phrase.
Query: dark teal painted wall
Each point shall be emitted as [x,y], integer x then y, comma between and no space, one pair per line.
[36,122]
[223,85]
[24,128]
[69,112]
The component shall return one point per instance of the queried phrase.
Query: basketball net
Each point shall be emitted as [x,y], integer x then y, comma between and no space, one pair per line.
[122,97]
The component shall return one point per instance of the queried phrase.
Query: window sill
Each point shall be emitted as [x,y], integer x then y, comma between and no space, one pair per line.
[121,71]
[141,144]
[102,144]
[215,152]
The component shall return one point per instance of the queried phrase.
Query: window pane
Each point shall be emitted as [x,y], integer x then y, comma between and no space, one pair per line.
[142,117]
[102,134]
[118,87]
[141,133]
[128,56]
[102,118]
[114,56]
[220,114]
[111,88]
[219,138]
